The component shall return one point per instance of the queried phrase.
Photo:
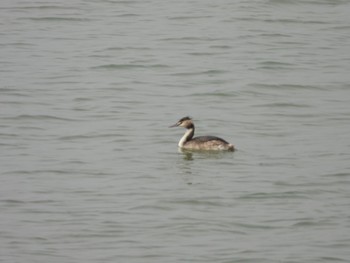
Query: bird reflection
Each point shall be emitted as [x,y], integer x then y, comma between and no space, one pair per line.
[191,155]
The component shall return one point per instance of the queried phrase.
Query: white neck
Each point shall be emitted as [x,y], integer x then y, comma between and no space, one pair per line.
[186,137]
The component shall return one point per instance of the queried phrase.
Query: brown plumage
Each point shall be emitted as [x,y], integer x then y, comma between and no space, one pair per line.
[202,142]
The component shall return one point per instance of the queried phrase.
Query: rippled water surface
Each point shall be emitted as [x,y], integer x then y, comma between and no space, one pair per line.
[91,173]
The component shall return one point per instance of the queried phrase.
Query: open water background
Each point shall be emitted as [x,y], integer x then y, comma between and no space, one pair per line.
[91,173]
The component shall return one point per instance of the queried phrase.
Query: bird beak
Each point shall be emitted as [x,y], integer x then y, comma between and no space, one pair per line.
[175,125]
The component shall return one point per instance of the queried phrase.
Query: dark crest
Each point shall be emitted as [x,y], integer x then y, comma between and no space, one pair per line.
[187,118]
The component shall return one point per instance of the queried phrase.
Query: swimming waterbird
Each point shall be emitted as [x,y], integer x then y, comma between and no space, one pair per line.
[208,143]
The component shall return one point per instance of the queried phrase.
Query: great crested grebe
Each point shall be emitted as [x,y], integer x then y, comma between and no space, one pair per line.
[202,142]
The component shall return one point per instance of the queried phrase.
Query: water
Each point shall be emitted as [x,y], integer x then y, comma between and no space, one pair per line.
[91,173]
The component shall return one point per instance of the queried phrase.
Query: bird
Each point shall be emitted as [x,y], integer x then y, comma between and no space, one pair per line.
[207,143]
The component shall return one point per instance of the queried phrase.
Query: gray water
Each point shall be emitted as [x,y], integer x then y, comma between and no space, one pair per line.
[90,171]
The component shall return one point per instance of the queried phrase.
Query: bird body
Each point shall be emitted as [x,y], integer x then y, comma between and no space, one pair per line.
[189,142]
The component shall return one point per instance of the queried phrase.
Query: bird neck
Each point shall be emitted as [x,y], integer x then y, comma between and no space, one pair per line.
[187,136]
